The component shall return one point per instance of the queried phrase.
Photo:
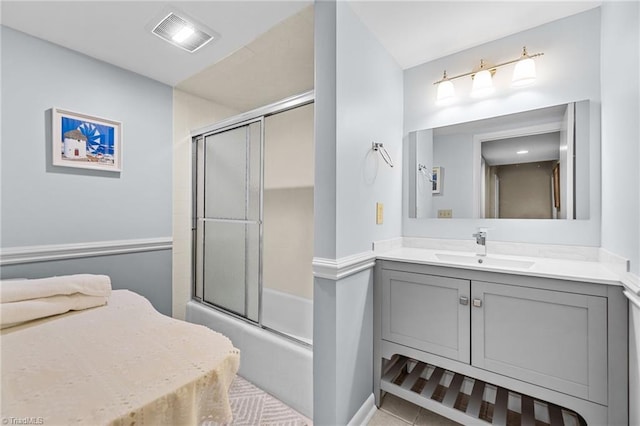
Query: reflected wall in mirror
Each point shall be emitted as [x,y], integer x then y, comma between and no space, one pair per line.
[528,165]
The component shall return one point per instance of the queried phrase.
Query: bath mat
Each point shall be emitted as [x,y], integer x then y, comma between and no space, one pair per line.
[251,406]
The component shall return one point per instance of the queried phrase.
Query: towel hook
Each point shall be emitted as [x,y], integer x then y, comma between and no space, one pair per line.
[376,146]
[424,170]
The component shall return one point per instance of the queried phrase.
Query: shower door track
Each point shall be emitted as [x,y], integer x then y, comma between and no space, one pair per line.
[265,111]
[253,323]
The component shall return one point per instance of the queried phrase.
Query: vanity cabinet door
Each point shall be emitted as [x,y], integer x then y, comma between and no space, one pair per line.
[550,338]
[426,312]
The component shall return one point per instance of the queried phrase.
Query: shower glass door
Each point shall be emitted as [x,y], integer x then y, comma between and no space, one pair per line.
[229,219]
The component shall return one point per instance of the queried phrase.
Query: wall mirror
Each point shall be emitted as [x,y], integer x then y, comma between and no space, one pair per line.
[528,165]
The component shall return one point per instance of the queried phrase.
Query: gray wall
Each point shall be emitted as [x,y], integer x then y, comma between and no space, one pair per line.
[363,85]
[148,273]
[621,156]
[368,109]
[454,153]
[620,130]
[44,205]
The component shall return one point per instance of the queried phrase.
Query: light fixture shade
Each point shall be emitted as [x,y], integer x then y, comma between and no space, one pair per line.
[482,84]
[524,73]
[446,93]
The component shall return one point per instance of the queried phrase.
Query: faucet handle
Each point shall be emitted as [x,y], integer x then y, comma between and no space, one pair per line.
[481,237]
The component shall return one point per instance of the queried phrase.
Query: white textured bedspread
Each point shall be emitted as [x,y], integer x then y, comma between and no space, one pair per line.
[121,364]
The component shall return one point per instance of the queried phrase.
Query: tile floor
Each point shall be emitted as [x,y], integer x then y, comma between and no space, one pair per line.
[398,412]
[251,406]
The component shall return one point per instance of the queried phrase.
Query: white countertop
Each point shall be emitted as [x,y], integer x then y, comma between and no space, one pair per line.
[574,270]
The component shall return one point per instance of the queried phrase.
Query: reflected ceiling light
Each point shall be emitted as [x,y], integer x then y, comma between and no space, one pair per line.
[524,151]
[524,74]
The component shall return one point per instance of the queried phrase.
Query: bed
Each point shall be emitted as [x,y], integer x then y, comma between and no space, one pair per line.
[119,363]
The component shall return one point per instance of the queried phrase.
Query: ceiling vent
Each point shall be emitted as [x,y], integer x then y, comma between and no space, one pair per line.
[182,33]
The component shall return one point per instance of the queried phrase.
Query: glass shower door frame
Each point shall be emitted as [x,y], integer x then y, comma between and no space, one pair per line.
[198,137]
[200,218]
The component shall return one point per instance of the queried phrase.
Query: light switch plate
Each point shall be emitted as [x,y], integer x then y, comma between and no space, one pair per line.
[379,213]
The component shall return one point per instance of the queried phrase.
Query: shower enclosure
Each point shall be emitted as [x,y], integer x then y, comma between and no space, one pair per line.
[253,216]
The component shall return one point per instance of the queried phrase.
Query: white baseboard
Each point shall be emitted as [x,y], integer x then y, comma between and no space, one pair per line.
[365,413]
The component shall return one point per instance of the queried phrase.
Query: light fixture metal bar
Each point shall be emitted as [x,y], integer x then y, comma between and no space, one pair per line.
[492,68]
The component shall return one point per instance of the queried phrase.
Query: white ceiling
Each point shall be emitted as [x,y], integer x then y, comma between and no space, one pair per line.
[277,65]
[250,65]
[119,32]
[414,32]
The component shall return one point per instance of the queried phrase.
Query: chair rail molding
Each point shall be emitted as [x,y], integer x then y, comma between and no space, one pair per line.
[336,269]
[45,253]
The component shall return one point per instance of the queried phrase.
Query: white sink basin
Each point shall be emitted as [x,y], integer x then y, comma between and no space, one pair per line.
[485,260]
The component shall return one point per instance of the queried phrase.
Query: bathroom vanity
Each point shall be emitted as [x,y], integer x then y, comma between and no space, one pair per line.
[509,338]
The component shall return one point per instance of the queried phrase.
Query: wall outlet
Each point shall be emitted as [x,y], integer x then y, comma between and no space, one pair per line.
[379,213]
[445,214]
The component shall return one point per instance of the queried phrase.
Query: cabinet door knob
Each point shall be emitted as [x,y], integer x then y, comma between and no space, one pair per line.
[477,303]
[464,300]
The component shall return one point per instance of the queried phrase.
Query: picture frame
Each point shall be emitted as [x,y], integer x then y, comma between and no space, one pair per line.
[556,186]
[436,180]
[84,141]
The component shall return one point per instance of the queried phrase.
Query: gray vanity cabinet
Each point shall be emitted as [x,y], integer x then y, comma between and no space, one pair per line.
[559,341]
[550,338]
[427,312]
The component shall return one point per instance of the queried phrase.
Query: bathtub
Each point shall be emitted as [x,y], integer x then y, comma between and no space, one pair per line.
[288,314]
[279,365]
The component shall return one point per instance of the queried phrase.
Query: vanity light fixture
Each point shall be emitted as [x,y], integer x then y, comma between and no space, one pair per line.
[183,32]
[523,74]
[482,81]
[446,91]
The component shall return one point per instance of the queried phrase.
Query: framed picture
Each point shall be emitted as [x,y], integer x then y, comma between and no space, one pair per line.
[436,180]
[556,186]
[80,140]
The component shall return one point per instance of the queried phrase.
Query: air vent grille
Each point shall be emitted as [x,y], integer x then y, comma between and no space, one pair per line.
[170,25]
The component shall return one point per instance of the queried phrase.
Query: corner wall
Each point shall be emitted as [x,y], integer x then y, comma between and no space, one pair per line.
[621,130]
[621,156]
[358,101]
[59,210]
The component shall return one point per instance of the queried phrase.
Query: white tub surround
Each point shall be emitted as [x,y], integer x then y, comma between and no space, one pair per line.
[288,314]
[276,364]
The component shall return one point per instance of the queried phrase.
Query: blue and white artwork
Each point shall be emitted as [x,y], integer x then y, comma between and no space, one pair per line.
[100,138]
[84,141]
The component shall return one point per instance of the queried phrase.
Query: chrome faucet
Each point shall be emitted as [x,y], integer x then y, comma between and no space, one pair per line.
[481,242]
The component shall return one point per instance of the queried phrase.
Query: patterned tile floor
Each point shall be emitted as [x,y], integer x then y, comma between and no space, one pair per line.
[251,406]
[398,412]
